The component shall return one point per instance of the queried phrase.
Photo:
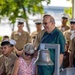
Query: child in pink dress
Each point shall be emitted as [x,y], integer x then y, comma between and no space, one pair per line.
[25,65]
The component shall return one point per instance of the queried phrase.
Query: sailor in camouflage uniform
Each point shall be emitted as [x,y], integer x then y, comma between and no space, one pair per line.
[8,58]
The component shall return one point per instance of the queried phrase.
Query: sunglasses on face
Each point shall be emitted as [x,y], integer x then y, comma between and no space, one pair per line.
[64,18]
[72,22]
[45,23]
[28,54]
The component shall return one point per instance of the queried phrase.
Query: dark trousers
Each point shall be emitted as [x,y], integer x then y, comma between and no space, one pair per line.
[74,62]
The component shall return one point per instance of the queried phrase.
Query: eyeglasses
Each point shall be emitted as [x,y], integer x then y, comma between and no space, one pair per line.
[45,23]
[28,54]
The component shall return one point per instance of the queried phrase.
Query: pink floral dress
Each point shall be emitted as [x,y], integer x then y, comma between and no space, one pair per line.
[25,69]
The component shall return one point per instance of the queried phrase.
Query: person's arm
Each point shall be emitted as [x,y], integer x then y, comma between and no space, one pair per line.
[12,35]
[1,69]
[15,68]
[38,38]
[36,70]
[72,51]
[2,65]
[17,51]
[61,59]
[71,59]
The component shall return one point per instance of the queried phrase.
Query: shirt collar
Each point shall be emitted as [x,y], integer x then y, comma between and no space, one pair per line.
[53,31]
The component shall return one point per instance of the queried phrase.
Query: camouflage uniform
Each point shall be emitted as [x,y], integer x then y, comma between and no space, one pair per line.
[8,63]
[1,64]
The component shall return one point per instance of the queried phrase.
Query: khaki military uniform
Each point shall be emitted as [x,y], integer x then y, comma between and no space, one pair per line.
[33,35]
[1,64]
[72,46]
[38,38]
[63,29]
[21,40]
[67,35]
[0,51]
[7,63]
[72,54]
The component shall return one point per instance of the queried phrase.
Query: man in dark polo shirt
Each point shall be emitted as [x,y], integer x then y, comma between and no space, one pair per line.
[51,35]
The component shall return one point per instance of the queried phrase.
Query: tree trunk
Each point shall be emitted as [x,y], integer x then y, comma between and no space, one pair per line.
[26,19]
[27,26]
[13,27]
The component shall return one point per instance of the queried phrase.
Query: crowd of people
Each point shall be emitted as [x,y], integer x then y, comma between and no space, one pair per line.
[19,52]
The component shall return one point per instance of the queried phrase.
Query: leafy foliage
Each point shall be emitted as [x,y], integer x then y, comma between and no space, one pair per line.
[69,10]
[20,8]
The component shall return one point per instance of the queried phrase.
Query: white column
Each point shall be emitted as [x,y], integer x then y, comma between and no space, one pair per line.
[73,8]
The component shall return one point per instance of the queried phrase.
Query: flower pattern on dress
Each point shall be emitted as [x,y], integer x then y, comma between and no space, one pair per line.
[25,69]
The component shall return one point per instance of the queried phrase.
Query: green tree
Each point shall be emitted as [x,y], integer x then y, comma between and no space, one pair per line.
[69,10]
[19,8]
